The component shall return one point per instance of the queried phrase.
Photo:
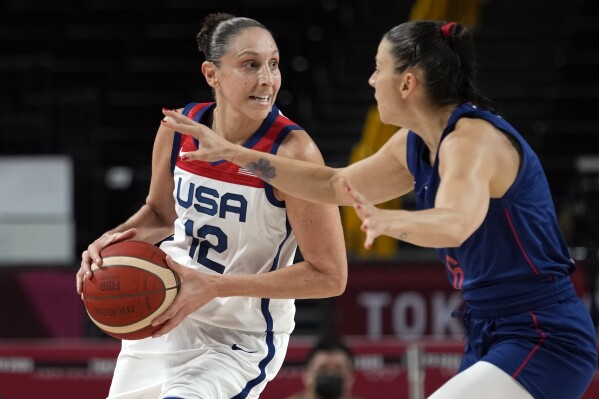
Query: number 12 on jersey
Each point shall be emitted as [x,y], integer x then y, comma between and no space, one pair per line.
[200,245]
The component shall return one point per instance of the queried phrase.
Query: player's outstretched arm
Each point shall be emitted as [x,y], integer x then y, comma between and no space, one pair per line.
[468,161]
[381,177]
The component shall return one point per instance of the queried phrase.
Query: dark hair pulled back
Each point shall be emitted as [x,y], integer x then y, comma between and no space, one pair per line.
[445,54]
[218,30]
[330,344]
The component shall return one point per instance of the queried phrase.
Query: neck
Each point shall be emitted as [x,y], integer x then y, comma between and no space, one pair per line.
[429,125]
[234,127]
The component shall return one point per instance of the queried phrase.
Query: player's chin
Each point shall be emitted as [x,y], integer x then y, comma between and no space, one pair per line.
[258,115]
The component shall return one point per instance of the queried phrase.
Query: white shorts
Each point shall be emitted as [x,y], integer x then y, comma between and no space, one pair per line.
[198,361]
[482,380]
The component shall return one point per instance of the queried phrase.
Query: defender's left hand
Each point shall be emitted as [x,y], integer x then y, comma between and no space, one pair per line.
[373,222]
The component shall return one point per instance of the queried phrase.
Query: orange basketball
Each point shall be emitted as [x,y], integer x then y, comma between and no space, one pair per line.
[132,288]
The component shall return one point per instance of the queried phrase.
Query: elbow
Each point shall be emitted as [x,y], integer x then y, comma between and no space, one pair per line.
[457,236]
[332,279]
[452,242]
[339,287]
[338,281]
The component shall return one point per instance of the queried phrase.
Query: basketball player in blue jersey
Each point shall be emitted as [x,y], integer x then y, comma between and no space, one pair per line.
[235,236]
[484,204]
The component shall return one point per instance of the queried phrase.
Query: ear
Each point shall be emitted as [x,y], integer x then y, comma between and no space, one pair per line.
[408,84]
[210,73]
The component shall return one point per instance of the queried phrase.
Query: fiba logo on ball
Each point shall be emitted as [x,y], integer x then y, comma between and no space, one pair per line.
[113,284]
[132,288]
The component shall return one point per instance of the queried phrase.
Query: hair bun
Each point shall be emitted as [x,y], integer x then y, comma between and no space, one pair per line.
[209,24]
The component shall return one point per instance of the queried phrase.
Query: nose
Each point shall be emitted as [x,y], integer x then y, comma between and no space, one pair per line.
[267,77]
[371,80]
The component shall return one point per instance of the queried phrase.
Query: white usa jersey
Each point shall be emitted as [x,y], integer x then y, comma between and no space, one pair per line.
[230,222]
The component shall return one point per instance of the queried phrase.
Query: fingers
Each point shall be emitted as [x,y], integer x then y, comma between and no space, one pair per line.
[179,122]
[211,146]
[81,275]
[176,117]
[170,319]
[364,210]
[170,315]
[92,255]
[172,312]
[84,271]
[370,235]
[126,235]
[356,197]
[93,252]
[363,207]
[189,156]
[107,240]
[368,242]
[167,327]
[348,189]
[177,268]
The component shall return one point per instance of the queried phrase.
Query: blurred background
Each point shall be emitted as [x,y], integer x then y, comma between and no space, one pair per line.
[82,87]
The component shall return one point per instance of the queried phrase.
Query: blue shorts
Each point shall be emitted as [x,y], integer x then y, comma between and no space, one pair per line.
[550,349]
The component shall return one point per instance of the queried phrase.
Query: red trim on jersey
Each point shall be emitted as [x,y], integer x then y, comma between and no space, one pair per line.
[509,220]
[227,171]
[195,109]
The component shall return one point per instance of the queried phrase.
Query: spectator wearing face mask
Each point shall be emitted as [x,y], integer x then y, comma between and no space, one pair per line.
[329,372]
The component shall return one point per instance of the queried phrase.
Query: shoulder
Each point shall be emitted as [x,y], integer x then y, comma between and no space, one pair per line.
[400,138]
[470,135]
[473,125]
[397,146]
[299,145]
[475,146]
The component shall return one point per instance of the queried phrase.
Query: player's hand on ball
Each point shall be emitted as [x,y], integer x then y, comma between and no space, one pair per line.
[212,147]
[92,254]
[197,289]
[373,220]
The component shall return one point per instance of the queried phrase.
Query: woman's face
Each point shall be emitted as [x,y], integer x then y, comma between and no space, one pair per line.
[386,83]
[336,363]
[248,78]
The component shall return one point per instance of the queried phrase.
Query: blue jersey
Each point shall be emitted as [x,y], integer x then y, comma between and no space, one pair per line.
[518,249]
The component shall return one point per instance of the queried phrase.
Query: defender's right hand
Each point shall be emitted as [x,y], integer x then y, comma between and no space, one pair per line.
[212,147]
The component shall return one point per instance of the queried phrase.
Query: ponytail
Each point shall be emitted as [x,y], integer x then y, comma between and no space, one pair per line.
[445,54]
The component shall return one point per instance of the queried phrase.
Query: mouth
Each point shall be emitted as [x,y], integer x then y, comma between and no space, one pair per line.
[261,99]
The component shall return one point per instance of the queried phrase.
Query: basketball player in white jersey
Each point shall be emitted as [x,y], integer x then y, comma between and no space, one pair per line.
[235,236]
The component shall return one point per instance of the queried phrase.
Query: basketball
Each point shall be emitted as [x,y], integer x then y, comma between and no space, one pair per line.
[132,288]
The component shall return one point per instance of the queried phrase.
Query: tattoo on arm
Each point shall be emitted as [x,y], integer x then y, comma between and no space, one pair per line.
[262,169]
